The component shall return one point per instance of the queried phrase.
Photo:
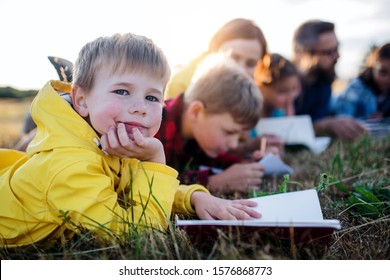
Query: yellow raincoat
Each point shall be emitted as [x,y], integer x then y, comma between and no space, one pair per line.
[65,174]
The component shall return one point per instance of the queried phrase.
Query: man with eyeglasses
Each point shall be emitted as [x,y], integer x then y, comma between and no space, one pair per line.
[315,54]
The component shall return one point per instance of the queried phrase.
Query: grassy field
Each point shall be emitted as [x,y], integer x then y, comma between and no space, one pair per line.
[355,183]
[12,113]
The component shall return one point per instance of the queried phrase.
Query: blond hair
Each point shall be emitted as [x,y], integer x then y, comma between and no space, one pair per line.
[224,87]
[120,53]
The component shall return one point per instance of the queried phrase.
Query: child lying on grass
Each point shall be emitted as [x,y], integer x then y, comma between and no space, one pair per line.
[118,85]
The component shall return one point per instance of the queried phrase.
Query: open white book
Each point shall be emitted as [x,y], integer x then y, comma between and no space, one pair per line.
[294,130]
[299,210]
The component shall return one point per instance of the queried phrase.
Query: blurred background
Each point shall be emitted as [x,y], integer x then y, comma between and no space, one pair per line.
[32,30]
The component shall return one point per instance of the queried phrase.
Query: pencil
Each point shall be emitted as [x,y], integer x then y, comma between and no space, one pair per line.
[263,144]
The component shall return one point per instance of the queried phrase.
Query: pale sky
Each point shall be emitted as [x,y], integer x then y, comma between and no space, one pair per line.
[31,30]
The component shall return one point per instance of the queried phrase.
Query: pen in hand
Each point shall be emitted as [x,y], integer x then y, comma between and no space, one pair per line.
[263,144]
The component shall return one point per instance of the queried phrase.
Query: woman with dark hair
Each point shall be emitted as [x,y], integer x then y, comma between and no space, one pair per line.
[241,39]
[368,95]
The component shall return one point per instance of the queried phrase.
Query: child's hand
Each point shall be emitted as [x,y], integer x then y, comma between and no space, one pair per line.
[238,177]
[209,207]
[274,145]
[118,143]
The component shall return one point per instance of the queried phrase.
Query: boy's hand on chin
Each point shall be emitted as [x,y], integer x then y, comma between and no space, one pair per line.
[117,142]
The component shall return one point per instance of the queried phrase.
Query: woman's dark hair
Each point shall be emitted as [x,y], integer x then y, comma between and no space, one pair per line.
[273,68]
[376,53]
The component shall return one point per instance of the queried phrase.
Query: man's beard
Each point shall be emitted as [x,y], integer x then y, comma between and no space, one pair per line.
[315,74]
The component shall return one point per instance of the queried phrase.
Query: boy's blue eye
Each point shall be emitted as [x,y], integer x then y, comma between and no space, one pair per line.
[121,92]
[152,98]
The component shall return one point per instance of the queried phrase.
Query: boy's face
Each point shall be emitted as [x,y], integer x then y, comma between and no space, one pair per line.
[132,98]
[216,133]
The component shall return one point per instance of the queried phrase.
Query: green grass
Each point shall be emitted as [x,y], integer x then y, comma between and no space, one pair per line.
[354,187]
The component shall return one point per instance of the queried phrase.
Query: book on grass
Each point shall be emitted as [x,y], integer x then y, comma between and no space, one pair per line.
[377,128]
[274,165]
[294,130]
[293,213]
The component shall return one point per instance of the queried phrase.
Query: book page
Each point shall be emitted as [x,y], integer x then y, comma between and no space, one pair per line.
[291,206]
[320,144]
[294,130]
[377,128]
[299,209]
[273,165]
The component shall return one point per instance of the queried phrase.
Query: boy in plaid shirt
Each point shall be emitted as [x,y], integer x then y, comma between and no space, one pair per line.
[200,126]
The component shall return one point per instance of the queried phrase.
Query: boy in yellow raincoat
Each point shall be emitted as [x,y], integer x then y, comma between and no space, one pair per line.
[118,86]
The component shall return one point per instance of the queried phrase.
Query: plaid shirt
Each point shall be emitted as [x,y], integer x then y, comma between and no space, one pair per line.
[360,101]
[185,155]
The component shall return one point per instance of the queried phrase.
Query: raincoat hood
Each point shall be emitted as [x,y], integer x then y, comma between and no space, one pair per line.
[67,130]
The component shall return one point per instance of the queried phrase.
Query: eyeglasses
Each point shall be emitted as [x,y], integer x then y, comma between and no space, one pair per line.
[328,52]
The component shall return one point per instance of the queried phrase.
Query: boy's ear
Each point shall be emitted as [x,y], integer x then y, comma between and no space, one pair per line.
[195,108]
[79,101]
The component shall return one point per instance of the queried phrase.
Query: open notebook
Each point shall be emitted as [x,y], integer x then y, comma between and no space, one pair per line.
[294,130]
[299,210]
